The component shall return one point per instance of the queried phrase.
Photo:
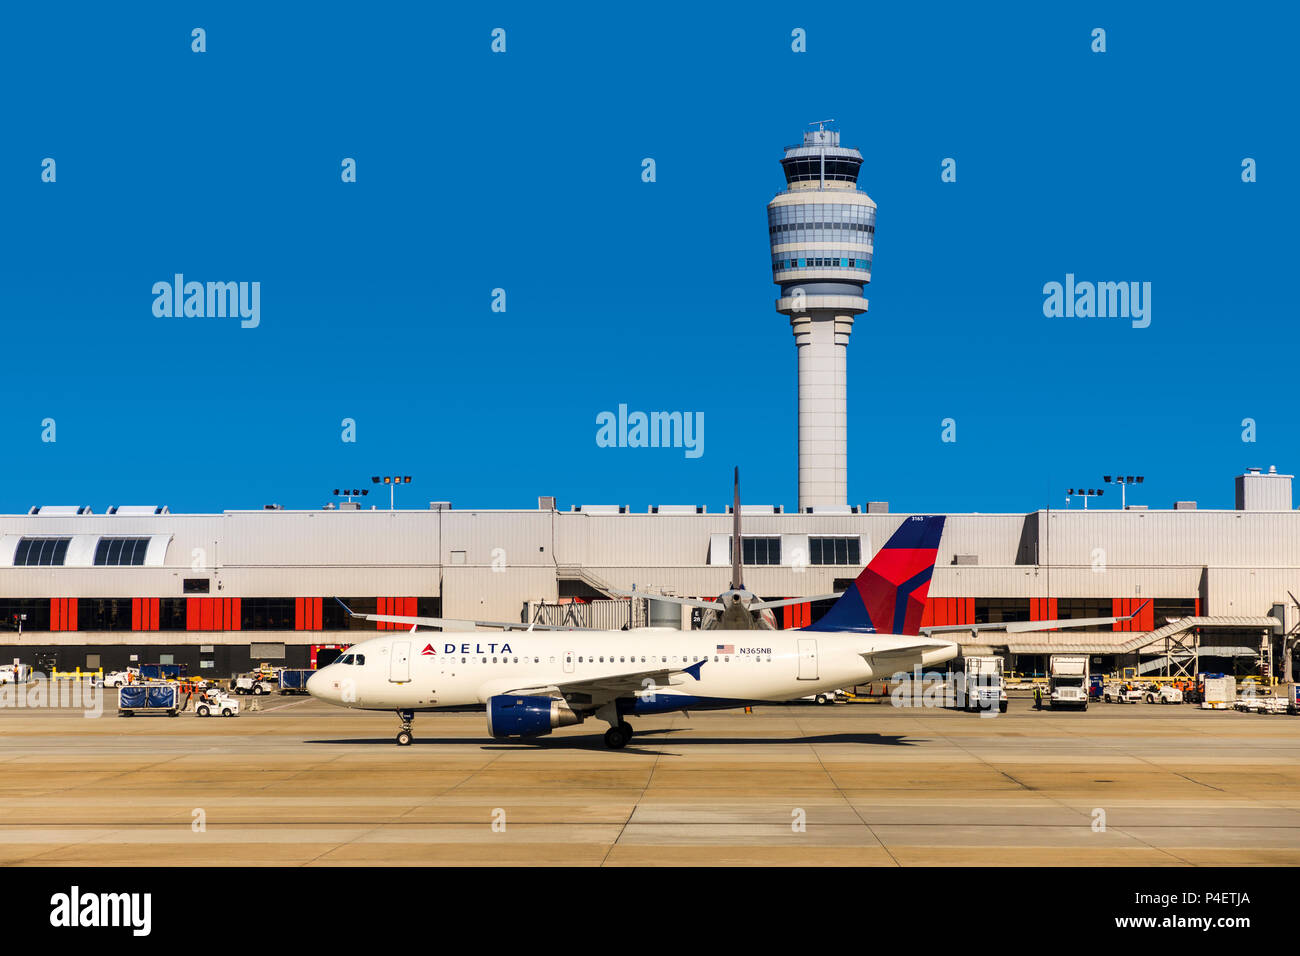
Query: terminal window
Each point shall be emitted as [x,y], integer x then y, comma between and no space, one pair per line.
[834,551]
[41,551]
[121,551]
[760,550]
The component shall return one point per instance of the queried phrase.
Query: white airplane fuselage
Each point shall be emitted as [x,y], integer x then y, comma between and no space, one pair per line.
[436,670]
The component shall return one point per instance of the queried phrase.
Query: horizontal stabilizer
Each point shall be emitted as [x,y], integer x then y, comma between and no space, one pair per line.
[1020,627]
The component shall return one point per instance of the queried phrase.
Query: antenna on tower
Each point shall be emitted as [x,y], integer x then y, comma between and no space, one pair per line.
[821,124]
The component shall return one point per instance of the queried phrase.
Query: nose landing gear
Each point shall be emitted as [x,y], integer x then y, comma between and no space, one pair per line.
[404,736]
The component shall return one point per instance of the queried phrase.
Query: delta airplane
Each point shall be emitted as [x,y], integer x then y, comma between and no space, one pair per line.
[532,682]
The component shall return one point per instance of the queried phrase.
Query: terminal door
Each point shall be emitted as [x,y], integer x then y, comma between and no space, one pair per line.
[399,665]
[807,658]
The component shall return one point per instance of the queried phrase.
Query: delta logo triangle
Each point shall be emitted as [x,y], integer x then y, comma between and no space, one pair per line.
[428,651]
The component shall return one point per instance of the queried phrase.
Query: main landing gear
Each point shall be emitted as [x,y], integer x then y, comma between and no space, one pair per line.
[620,731]
[617,736]
[404,737]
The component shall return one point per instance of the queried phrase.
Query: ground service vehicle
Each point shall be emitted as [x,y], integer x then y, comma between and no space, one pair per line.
[216,702]
[1121,692]
[1163,694]
[1067,676]
[15,673]
[121,678]
[148,699]
[983,685]
[253,684]
[294,680]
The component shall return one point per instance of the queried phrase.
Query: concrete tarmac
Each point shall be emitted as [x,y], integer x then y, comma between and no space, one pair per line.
[862,784]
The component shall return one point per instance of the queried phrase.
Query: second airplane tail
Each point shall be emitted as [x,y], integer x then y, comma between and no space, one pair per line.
[889,595]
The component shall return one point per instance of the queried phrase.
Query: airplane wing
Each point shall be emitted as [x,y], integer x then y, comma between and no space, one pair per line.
[458,624]
[604,688]
[701,602]
[1018,627]
[760,605]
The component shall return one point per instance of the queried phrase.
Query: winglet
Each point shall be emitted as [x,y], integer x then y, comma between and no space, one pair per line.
[694,669]
[345,607]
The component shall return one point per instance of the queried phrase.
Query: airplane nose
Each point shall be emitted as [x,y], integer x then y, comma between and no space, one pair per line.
[316,685]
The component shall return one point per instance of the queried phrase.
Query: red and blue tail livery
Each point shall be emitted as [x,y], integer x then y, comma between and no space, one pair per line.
[889,595]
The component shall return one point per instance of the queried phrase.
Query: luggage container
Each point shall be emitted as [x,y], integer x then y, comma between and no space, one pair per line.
[148,699]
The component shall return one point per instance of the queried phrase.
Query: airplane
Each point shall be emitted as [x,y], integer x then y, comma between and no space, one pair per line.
[737,608]
[530,684]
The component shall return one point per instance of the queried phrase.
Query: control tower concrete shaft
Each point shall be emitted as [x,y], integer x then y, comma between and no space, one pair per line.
[822,229]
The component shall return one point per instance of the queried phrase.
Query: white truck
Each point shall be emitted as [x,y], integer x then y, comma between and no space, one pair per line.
[1067,681]
[979,683]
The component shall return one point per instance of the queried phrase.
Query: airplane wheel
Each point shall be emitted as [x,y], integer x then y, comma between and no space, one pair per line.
[404,738]
[615,739]
[624,726]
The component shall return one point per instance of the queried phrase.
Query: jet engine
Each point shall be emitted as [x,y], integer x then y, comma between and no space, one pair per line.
[510,716]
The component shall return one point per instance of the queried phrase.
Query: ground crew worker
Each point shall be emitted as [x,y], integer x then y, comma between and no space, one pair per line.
[1038,697]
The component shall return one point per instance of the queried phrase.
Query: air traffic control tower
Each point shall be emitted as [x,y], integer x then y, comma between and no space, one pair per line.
[822,230]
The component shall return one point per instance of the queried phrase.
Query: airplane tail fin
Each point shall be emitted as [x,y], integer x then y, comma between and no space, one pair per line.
[889,596]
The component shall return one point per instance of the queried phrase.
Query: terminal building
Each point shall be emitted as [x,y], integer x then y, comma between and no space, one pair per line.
[218,592]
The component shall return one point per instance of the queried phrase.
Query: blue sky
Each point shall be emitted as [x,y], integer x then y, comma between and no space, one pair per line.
[522,171]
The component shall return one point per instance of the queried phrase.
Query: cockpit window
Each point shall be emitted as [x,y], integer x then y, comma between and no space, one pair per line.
[352,659]
[344,659]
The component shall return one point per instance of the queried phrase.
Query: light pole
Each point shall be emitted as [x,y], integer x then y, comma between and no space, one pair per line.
[1085,494]
[350,493]
[391,483]
[1123,481]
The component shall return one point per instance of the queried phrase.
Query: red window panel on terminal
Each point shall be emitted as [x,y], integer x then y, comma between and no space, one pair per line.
[63,614]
